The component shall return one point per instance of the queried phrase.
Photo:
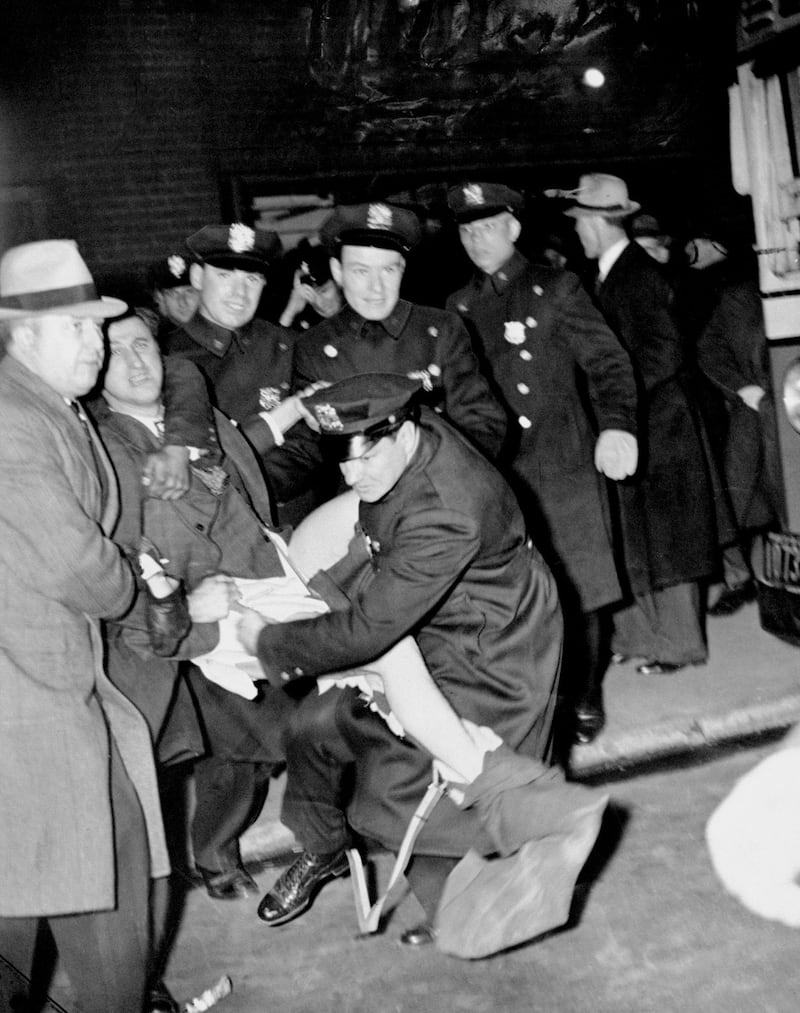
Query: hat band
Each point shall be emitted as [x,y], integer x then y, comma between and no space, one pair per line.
[602,207]
[50,298]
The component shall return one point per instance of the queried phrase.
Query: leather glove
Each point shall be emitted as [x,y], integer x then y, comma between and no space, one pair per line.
[166,609]
[616,454]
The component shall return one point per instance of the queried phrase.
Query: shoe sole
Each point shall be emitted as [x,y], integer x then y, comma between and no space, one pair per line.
[296,912]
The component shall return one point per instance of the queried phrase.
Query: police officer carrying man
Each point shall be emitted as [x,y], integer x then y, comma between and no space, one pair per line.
[569,390]
[441,554]
[379,331]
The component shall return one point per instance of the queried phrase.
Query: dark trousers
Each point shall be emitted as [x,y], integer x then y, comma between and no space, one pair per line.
[105,953]
[327,737]
[245,740]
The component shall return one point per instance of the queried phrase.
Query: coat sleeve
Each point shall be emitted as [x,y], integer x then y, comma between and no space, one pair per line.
[468,399]
[54,544]
[188,415]
[731,346]
[601,357]
[429,554]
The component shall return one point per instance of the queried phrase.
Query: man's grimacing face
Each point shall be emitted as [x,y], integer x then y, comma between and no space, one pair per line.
[134,374]
[378,469]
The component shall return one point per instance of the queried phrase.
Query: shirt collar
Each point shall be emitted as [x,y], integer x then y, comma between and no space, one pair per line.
[607,260]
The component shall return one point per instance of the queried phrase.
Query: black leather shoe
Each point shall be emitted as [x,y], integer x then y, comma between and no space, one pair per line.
[235,884]
[732,599]
[658,668]
[420,935]
[590,720]
[160,999]
[293,892]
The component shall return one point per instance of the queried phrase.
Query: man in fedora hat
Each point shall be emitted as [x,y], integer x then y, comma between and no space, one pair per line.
[377,330]
[80,824]
[441,554]
[569,391]
[667,512]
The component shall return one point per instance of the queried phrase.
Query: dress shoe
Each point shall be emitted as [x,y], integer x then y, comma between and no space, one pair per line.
[160,999]
[590,720]
[658,668]
[732,599]
[233,884]
[293,892]
[420,935]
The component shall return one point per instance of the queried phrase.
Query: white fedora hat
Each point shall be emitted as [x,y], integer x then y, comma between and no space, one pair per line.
[47,278]
[598,194]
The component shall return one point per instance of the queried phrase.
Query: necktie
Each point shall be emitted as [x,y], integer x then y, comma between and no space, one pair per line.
[99,467]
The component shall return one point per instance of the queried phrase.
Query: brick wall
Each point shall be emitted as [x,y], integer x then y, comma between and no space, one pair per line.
[130,116]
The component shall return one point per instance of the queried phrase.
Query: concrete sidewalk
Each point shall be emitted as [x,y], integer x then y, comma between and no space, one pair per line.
[751,685]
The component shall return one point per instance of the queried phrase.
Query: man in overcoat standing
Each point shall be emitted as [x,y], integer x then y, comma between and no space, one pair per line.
[569,391]
[667,511]
[80,823]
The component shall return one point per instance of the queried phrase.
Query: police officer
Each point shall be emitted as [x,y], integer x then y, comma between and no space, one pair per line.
[379,331]
[174,296]
[569,390]
[442,555]
[247,361]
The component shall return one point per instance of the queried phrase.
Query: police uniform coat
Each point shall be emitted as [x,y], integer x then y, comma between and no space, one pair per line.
[667,510]
[198,535]
[563,377]
[448,561]
[248,370]
[60,575]
[418,341]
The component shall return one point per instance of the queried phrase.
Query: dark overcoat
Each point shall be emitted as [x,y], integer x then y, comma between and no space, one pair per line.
[667,509]
[198,535]
[247,371]
[419,341]
[448,561]
[563,377]
[60,574]
[732,352]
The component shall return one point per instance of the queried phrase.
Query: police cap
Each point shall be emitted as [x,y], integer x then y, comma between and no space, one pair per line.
[377,224]
[355,413]
[471,201]
[170,272]
[236,246]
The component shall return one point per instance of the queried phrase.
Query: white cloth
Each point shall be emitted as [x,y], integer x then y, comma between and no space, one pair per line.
[278,599]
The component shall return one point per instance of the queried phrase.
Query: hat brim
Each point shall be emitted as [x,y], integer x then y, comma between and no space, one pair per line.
[583,211]
[376,238]
[238,262]
[96,309]
[485,211]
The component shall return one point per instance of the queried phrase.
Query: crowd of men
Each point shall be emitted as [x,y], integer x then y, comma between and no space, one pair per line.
[534,495]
